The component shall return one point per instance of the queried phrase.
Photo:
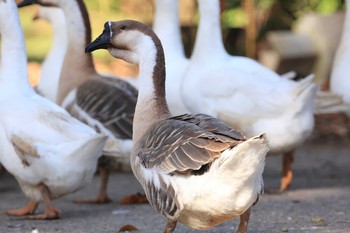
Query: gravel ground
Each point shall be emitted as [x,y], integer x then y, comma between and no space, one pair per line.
[318,201]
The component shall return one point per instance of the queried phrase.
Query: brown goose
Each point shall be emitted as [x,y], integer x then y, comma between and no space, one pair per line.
[183,161]
[105,103]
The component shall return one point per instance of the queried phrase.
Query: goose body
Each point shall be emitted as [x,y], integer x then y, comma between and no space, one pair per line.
[340,81]
[244,94]
[49,152]
[181,161]
[105,103]
[51,67]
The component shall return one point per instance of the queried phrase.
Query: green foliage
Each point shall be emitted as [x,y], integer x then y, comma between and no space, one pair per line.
[323,6]
[284,12]
[234,18]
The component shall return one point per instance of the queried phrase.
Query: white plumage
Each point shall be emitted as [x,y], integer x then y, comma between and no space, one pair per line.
[183,161]
[105,103]
[245,94]
[340,80]
[49,152]
[166,26]
[51,67]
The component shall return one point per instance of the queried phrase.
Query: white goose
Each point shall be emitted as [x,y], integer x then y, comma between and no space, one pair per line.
[52,65]
[105,103]
[340,77]
[49,152]
[246,95]
[166,26]
[182,161]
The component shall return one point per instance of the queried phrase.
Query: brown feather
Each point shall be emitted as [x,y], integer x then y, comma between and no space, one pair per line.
[110,101]
[186,143]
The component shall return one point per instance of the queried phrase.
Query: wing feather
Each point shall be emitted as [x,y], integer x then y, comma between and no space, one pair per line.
[187,142]
[110,101]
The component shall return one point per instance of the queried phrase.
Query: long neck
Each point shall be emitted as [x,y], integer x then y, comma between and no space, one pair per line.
[151,104]
[166,26]
[78,66]
[209,38]
[52,65]
[59,36]
[346,28]
[13,66]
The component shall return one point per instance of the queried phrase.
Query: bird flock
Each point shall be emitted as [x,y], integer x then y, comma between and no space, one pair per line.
[187,128]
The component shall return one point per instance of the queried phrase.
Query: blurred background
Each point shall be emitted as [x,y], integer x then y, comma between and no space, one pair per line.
[300,35]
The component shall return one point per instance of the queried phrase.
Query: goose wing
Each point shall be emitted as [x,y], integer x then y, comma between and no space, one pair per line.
[187,142]
[111,102]
[24,147]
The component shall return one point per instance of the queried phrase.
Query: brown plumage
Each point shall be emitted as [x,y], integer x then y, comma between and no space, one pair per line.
[181,161]
[187,142]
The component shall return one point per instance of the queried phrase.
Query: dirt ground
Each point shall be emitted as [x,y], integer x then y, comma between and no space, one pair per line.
[317,202]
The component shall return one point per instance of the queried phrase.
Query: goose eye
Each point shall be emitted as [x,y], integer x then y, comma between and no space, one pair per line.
[122,27]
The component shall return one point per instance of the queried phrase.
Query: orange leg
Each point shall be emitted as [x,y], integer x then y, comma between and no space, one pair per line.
[325,85]
[287,174]
[102,197]
[28,209]
[50,211]
[137,198]
[244,220]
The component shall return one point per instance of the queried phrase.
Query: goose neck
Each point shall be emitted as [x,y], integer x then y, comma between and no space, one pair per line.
[13,65]
[78,66]
[59,40]
[78,23]
[151,103]
[59,33]
[166,26]
[209,37]
[346,27]
[52,65]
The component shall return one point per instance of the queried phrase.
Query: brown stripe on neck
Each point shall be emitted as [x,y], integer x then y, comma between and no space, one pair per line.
[86,19]
[159,75]
[158,70]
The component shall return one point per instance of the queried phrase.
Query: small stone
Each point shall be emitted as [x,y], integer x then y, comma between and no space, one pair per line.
[319,221]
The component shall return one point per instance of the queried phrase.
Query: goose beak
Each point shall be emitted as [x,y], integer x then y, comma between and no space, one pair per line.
[101,42]
[27,3]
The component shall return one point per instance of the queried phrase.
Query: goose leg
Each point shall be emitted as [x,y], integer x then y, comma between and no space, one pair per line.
[243,224]
[102,197]
[325,85]
[287,174]
[2,169]
[28,209]
[50,211]
[170,226]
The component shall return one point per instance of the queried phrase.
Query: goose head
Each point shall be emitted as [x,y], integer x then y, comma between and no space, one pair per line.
[127,39]
[136,43]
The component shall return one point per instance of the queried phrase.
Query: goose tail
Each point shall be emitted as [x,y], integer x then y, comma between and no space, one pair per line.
[246,161]
[240,170]
[291,75]
[305,92]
